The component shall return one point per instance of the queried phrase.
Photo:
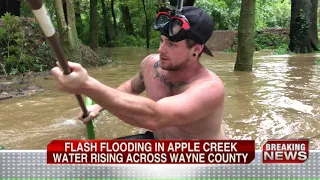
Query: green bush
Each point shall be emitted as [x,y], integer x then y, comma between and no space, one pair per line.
[12,39]
[272,41]
[22,50]
[125,40]
[155,39]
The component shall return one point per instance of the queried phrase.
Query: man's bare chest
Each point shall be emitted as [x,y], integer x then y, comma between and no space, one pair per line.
[158,85]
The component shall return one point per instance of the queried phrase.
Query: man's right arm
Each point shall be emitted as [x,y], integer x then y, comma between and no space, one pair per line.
[133,86]
[136,84]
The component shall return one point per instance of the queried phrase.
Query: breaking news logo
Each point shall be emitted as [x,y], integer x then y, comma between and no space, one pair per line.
[285,151]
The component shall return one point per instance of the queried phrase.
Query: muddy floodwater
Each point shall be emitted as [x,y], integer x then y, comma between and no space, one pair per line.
[279,99]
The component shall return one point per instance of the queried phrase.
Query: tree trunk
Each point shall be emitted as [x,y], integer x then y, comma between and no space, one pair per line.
[67,31]
[126,19]
[314,21]
[94,27]
[73,35]
[10,6]
[79,23]
[246,36]
[147,25]
[175,2]
[300,27]
[65,10]
[188,2]
[3,7]
[105,21]
[114,17]
[14,7]
[61,21]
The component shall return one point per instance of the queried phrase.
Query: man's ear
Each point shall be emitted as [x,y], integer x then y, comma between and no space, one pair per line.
[198,48]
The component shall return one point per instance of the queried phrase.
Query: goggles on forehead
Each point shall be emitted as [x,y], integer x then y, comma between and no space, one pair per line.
[172,26]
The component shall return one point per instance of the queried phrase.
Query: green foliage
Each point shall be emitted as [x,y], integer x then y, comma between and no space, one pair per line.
[225,13]
[40,58]
[25,10]
[271,40]
[19,51]
[272,13]
[12,45]
[127,40]
[155,39]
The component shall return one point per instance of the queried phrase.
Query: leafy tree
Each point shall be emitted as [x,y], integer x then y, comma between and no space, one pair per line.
[272,13]
[12,45]
[20,52]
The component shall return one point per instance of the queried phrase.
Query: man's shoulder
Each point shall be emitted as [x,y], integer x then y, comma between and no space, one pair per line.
[209,79]
[151,57]
[210,86]
[148,60]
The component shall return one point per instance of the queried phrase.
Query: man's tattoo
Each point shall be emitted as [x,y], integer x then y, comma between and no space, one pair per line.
[137,83]
[155,67]
[165,80]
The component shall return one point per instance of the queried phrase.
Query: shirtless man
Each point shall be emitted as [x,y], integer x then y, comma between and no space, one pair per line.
[184,99]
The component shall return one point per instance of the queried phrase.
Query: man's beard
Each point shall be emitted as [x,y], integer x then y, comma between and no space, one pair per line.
[176,67]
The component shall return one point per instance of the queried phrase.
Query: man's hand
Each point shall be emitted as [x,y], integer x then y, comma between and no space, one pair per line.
[73,82]
[93,110]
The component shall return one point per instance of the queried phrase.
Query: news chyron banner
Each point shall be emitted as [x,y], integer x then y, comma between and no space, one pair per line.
[154,152]
[165,159]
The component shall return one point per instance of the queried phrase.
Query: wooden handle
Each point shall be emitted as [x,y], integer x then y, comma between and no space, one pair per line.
[35,4]
[44,20]
[41,14]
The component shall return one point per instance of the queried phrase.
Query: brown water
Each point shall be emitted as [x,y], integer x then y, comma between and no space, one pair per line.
[279,99]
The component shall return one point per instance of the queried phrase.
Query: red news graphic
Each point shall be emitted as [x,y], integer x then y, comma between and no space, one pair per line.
[153,151]
[285,151]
